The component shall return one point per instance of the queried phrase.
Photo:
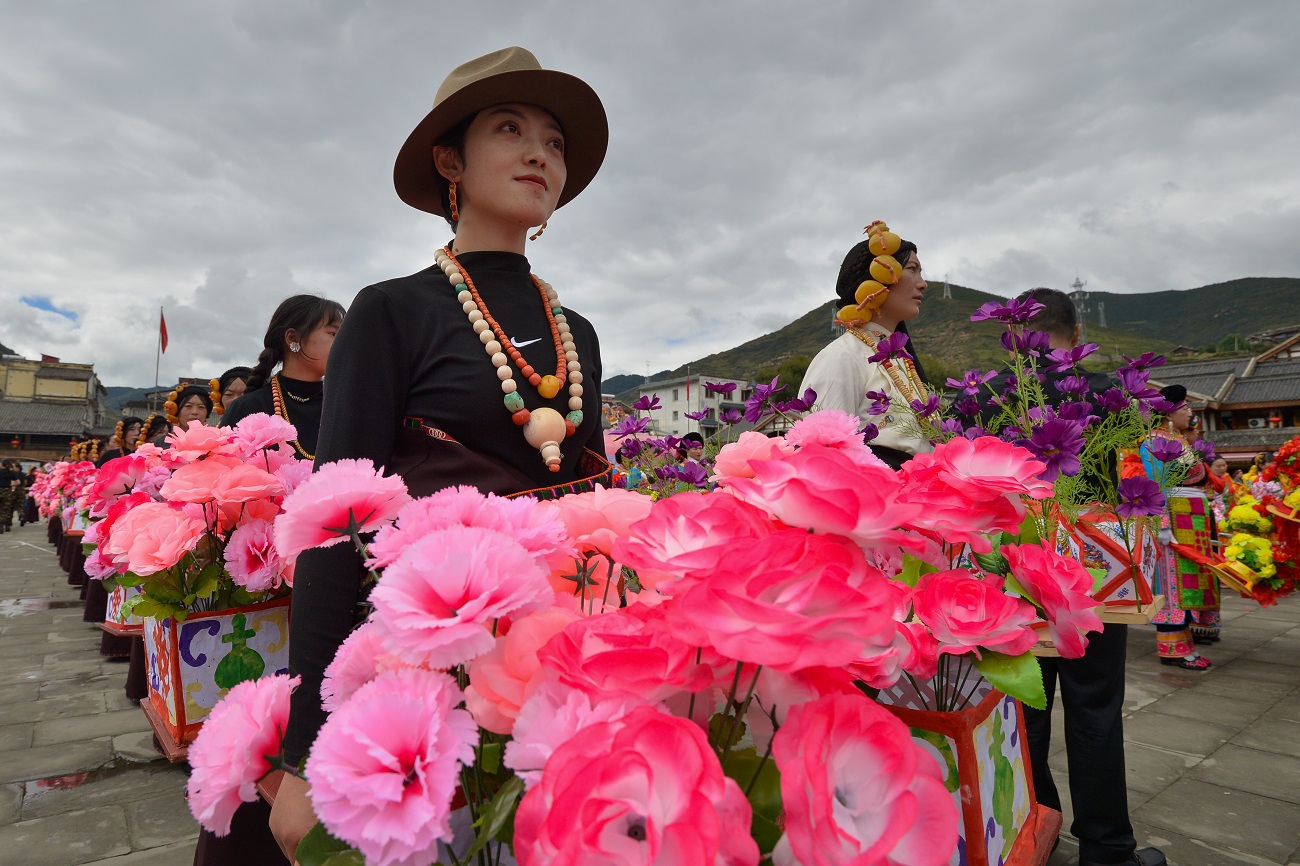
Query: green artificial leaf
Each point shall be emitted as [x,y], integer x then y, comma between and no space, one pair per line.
[1014,584]
[143,605]
[347,858]
[1028,533]
[913,568]
[130,579]
[992,563]
[765,832]
[497,816]
[1098,577]
[1020,676]
[318,848]
[764,794]
[490,757]
[207,581]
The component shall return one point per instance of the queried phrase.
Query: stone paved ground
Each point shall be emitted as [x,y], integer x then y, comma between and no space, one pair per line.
[1213,758]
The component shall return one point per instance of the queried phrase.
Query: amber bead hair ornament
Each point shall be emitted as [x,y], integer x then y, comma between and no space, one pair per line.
[885,271]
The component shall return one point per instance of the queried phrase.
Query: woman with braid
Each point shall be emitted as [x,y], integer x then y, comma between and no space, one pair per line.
[124,439]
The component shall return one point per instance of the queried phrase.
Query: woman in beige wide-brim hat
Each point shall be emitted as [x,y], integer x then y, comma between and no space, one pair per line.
[417,382]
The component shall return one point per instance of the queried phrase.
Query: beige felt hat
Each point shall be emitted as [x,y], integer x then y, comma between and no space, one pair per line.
[509,75]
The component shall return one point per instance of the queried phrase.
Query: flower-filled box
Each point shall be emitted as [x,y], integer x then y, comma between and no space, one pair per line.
[984,758]
[192,663]
[118,618]
[1101,543]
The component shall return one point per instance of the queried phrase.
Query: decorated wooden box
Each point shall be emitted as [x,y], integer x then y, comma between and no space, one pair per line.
[192,664]
[1099,541]
[117,622]
[982,752]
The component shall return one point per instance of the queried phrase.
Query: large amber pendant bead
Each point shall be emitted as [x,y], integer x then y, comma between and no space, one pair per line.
[548,387]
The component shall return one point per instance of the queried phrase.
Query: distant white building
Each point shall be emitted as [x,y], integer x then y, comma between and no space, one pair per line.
[686,394]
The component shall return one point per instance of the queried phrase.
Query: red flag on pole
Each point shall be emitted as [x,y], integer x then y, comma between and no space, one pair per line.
[162,331]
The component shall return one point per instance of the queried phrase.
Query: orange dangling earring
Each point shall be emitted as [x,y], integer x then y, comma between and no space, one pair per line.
[451,198]
[541,228]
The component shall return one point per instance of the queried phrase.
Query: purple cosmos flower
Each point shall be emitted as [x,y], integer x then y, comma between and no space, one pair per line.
[893,346]
[1057,443]
[729,416]
[971,382]
[1145,361]
[693,473]
[1013,312]
[1134,381]
[1166,450]
[757,403]
[1030,342]
[967,406]
[1072,385]
[647,404]
[667,473]
[879,402]
[698,416]
[1139,497]
[800,404]
[630,426]
[1113,400]
[719,388]
[927,408]
[1077,410]
[1205,448]
[1066,359]
[975,432]
[951,426]
[869,432]
[630,449]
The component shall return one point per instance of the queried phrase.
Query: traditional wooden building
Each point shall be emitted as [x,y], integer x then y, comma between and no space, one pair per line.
[47,404]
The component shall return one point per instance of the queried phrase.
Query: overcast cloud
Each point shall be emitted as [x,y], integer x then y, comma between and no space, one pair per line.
[212,158]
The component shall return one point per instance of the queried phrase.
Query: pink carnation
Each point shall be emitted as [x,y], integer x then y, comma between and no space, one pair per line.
[439,599]
[260,430]
[358,660]
[152,537]
[858,790]
[384,767]
[646,789]
[736,459]
[198,440]
[832,428]
[338,495]
[533,525]
[230,754]
[501,679]
[113,480]
[1063,589]
[291,474]
[251,558]
[965,613]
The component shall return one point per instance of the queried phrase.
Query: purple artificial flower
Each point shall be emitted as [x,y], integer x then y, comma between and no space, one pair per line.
[647,404]
[630,426]
[1134,381]
[893,346]
[879,402]
[693,473]
[1058,444]
[630,449]
[927,408]
[719,388]
[698,416]
[1030,342]
[1072,385]
[667,473]
[1139,497]
[1077,410]
[975,432]
[1113,400]
[869,432]
[967,406]
[762,395]
[971,382]
[1064,360]
[951,426]
[1145,361]
[1165,450]
[1163,406]
[1013,312]
[729,416]
[800,404]
[1205,448]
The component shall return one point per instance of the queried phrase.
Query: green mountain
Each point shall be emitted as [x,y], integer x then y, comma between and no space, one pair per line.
[1204,316]
[5,350]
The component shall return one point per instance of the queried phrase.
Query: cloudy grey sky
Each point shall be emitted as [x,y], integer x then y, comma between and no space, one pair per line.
[215,157]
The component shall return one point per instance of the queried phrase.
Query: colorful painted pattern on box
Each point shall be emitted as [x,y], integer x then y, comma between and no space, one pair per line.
[116,599]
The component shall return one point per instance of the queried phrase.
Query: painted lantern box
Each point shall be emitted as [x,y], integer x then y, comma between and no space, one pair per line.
[1099,541]
[192,664]
[984,757]
[117,622]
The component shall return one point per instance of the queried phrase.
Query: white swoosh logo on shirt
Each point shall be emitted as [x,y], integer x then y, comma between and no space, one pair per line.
[519,344]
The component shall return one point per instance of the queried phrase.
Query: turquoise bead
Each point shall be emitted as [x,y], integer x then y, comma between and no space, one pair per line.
[514,402]
[557,311]
[575,417]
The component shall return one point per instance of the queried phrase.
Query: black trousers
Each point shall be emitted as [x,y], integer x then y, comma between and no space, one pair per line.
[1092,697]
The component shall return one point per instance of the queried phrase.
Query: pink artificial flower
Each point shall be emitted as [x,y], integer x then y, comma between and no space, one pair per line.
[684,536]
[645,789]
[776,692]
[384,767]
[251,558]
[152,537]
[98,566]
[260,430]
[291,474]
[857,790]
[246,483]
[965,614]
[1062,588]
[628,652]
[791,600]
[230,754]
[339,494]
[198,440]
[736,459]
[438,601]
[196,482]
[986,468]
[358,660]
[553,715]
[832,428]
[503,678]
[533,524]
[113,480]
[913,648]
[599,517]
[824,491]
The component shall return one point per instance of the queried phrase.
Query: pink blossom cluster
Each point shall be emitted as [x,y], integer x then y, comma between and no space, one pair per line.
[618,645]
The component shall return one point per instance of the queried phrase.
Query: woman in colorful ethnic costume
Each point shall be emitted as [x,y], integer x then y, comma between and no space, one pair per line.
[879,290]
[463,372]
[1190,590]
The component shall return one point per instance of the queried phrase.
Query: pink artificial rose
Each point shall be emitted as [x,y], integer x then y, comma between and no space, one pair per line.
[534,525]
[229,755]
[554,714]
[152,537]
[599,517]
[197,481]
[503,678]
[628,652]
[965,614]
[339,494]
[198,440]
[684,536]
[736,459]
[858,791]
[645,789]
[246,483]
[1062,588]
[438,601]
[790,601]
[384,767]
[985,468]
[260,430]
[913,648]
[824,491]
[251,558]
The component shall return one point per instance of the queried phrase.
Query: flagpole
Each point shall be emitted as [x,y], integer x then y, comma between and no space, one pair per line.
[157,357]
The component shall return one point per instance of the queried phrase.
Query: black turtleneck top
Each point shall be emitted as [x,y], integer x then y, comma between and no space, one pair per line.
[304,401]
[407,349]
